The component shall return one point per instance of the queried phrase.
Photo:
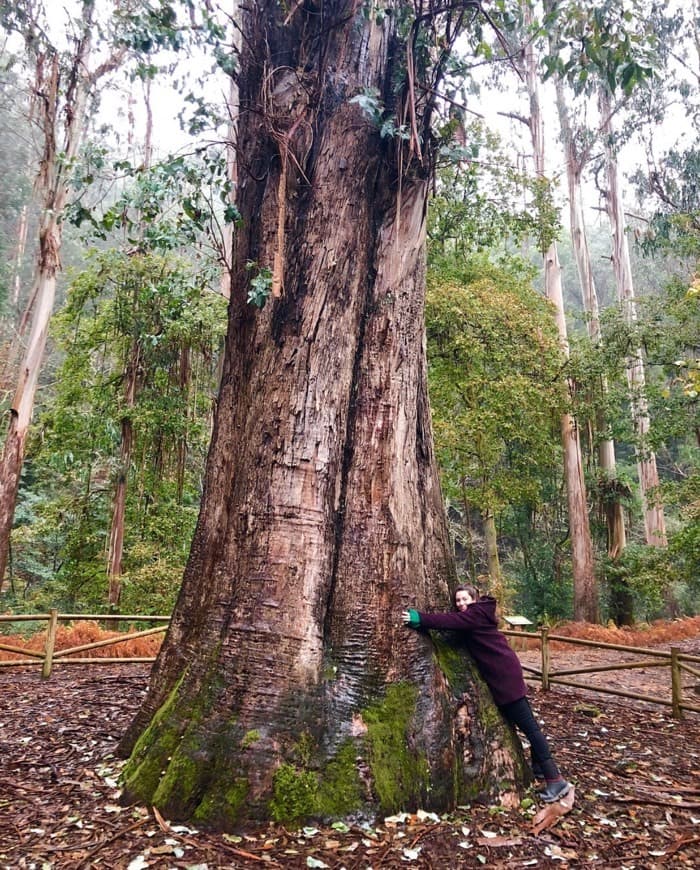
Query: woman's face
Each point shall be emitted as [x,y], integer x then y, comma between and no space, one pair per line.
[462,600]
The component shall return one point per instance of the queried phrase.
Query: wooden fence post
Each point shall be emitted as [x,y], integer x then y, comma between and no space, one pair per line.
[50,644]
[676,684]
[544,648]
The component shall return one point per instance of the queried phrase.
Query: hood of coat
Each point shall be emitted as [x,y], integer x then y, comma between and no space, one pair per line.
[487,605]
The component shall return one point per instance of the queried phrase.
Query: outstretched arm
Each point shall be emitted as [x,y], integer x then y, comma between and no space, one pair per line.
[457,621]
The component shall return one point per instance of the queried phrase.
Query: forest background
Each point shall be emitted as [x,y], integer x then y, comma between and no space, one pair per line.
[113,458]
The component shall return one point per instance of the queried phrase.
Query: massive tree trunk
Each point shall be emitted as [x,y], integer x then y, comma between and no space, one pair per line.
[609,490]
[582,564]
[654,523]
[287,687]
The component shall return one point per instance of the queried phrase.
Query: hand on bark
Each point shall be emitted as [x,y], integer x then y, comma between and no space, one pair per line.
[406,617]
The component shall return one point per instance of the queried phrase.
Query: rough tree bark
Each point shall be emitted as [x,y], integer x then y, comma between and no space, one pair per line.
[582,564]
[654,523]
[286,687]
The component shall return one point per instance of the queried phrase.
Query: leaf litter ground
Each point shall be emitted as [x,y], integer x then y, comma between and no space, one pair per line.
[636,802]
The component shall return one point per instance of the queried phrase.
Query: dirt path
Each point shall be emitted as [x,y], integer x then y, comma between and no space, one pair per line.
[650,681]
[636,773]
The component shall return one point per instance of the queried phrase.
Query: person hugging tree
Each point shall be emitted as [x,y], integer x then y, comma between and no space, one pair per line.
[475,618]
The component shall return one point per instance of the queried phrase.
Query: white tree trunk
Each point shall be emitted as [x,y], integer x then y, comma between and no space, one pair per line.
[53,189]
[584,580]
[606,446]
[654,524]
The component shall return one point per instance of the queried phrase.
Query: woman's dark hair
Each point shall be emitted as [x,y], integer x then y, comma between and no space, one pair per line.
[465,587]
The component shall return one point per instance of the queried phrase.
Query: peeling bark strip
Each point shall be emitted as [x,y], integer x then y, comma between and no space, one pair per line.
[286,687]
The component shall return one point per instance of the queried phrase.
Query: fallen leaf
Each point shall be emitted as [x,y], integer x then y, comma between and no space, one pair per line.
[551,814]
[398,819]
[496,841]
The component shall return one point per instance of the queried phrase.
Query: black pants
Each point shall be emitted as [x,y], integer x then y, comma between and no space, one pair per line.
[519,713]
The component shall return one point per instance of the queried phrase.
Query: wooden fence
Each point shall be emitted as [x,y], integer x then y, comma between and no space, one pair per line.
[50,656]
[678,662]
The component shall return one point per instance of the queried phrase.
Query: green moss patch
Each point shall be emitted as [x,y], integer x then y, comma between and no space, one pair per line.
[340,791]
[295,795]
[400,774]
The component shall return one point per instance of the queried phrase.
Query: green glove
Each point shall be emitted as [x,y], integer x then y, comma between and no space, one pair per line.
[414,621]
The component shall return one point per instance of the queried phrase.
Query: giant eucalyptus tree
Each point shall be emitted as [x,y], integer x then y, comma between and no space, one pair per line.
[286,686]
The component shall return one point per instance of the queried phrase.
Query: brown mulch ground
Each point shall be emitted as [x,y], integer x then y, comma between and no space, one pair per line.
[636,772]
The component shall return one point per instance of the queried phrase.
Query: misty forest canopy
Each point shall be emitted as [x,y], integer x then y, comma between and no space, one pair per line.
[413,272]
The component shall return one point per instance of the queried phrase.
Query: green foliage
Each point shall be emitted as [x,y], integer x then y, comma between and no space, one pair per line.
[123,311]
[495,384]
[260,284]
[475,209]
[180,201]
[641,571]
[674,186]
[15,134]
[610,42]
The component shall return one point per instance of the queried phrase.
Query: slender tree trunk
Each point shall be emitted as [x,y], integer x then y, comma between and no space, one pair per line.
[19,255]
[23,401]
[491,540]
[115,553]
[184,387]
[584,580]
[52,183]
[614,512]
[286,686]
[654,523]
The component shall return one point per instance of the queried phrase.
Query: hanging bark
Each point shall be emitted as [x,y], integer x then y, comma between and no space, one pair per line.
[575,162]
[19,255]
[654,523]
[583,569]
[286,686]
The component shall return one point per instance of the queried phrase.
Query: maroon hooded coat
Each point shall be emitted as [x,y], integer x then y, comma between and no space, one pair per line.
[497,663]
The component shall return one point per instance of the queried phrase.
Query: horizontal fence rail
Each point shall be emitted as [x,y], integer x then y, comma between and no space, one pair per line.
[50,656]
[678,663]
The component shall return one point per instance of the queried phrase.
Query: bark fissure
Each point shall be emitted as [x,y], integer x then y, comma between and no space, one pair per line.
[322,515]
